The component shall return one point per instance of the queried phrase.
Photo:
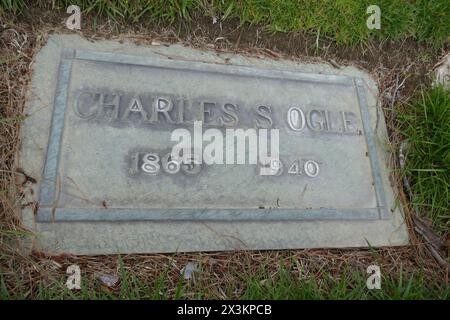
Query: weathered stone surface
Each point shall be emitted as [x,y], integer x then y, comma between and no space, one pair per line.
[93,117]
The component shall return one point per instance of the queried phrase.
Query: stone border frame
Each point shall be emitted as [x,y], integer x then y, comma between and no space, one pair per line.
[48,212]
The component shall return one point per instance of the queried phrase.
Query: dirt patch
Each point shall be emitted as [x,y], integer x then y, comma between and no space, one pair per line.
[399,67]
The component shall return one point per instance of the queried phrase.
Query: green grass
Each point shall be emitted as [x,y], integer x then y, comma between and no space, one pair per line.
[425,124]
[286,284]
[349,285]
[12,6]
[343,21]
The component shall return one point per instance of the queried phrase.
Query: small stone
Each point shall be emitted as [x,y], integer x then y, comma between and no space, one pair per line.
[443,72]
[109,280]
[189,269]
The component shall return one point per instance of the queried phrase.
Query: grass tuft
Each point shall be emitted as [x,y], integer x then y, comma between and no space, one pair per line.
[343,21]
[12,6]
[425,123]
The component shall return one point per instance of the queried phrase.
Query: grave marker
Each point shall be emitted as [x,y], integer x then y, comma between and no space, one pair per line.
[100,138]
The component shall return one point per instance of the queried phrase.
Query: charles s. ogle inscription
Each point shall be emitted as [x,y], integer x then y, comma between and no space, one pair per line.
[177,145]
[147,109]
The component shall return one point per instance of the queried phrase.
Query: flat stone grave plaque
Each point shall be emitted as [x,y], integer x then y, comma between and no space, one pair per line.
[98,141]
